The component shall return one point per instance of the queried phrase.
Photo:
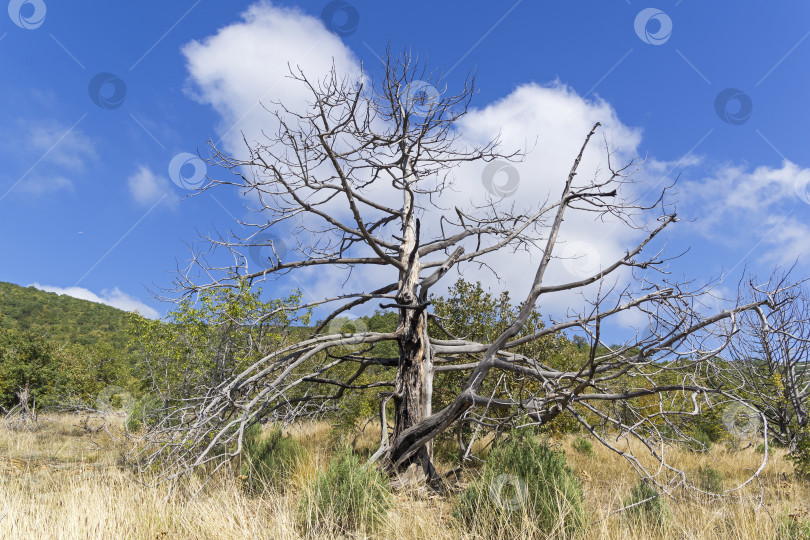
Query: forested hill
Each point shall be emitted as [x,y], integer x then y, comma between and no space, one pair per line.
[61,318]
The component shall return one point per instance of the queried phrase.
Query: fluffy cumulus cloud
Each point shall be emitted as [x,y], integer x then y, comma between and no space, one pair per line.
[115,298]
[247,65]
[148,188]
[553,121]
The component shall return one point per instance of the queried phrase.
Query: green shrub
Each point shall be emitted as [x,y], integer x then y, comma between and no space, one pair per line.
[800,456]
[710,479]
[349,496]
[710,422]
[654,508]
[562,425]
[268,460]
[523,481]
[792,527]
[583,446]
[699,441]
[446,450]
[145,411]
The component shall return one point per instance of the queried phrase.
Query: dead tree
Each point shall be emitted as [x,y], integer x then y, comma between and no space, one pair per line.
[355,182]
[769,360]
[24,395]
[21,416]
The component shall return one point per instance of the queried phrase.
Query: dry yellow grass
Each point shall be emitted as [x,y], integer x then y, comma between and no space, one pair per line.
[61,482]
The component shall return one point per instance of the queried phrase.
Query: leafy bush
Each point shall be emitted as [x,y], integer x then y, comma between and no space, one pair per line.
[699,441]
[583,446]
[144,412]
[710,422]
[800,456]
[268,460]
[654,508]
[710,479]
[523,481]
[562,425]
[347,497]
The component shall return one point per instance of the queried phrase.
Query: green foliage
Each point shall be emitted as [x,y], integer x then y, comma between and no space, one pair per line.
[699,441]
[710,479]
[563,424]
[583,446]
[356,406]
[349,496]
[28,359]
[62,319]
[470,311]
[269,459]
[793,527]
[523,479]
[66,349]
[800,456]
[210,339]
[710,422]
[653,510]
[144,413]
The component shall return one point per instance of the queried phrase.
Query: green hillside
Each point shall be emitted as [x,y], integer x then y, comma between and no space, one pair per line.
[60,318]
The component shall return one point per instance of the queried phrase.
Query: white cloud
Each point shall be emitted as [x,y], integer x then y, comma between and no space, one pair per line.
[763,207]
[247,65]
[41,185]
[148,188]
[247,62]
[553,121]
[115,298]
[65,147]
[58,151]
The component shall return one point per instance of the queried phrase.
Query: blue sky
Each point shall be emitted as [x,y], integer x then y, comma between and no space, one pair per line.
[86,199]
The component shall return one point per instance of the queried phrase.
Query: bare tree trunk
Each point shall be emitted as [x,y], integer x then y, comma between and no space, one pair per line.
[414,381]
[24,394]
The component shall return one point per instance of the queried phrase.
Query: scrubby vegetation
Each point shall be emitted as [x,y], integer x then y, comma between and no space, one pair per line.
[645,504]
[524,481]
[74,477]
[269,459]
[66,350]
[62,319]
[347,497]
[294,481]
